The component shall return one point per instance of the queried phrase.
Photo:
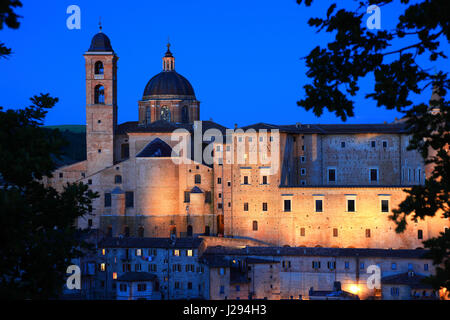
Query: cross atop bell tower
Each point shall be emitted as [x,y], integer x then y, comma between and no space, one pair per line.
[168,60]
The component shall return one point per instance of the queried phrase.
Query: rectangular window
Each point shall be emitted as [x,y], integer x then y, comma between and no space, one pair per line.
[208,197]
[384,205]
[107,200]
[351,205]
[385,144]
[264,180]
[347,265]
[331,265]
[264,206]
[189,253]
[187,196]
[219,206]
[373,143]
[176,253]
[302,159]
[123,287]
[331,175]
[367,233]
[419,234]
[222,289]
[245,179]
[316,264]
[394,266]
[287,205]
[394,292]
[361,266]
[335,232]
[255,225]
[302,232]
[425,267]
[319,205]
[219,180]
[129,199]
[373,175]
[343,144]
[142,287]
[245,206]
[303,171]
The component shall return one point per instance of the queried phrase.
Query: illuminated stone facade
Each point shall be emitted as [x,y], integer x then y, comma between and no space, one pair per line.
[332,185]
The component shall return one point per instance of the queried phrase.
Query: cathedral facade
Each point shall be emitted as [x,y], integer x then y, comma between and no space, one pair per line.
[316,186]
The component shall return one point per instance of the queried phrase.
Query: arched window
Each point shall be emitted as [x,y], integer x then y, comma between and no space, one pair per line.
[198,179]
[165,113]
[185,114]
[99,68]
[118,179]
[148,115]
[99,94]
[189,231]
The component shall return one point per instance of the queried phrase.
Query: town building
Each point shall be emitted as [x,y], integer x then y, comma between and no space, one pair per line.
[313,273]
[150,268]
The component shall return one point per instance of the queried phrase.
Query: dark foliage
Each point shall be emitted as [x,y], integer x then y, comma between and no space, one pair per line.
[357,52]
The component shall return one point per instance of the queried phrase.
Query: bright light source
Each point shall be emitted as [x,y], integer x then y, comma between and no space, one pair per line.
[354,289]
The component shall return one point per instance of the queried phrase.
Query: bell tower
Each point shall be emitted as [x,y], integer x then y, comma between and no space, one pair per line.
[101,102]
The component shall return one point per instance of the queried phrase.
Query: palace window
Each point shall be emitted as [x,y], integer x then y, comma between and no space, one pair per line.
[331,175]
[335,232]
[302,232]
[373,175]
[287,205]
[207,196]
[255,225]
[129,199]
[107,199]
[384,205]
[264,206]
[245,206]
[319,205]
[198,179]
[419,234]
[351,205]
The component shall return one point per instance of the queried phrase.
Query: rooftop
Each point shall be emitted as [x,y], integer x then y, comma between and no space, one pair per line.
[324,252]
[132,242]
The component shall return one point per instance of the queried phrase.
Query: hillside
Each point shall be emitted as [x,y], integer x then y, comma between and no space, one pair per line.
[75,151]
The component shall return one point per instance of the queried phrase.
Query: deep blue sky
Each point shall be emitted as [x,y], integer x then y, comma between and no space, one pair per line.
[242,57]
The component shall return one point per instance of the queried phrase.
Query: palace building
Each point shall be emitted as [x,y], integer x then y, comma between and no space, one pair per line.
[331,185]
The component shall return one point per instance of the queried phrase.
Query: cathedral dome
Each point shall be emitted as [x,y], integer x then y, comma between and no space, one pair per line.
[168,83]
[100,42]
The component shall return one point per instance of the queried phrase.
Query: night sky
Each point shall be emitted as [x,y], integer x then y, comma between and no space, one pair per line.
[243,58]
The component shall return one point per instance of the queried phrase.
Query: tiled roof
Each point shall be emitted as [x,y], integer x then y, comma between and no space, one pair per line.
[137,276]
[325,252]
[165,126]
[333,128]
[412,280]
[132,242]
